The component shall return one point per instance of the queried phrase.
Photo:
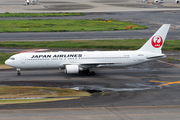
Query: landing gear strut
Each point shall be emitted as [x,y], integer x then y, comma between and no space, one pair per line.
[90,73]
[18,72]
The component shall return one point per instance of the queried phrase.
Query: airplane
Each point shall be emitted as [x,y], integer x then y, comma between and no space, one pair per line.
[84,61]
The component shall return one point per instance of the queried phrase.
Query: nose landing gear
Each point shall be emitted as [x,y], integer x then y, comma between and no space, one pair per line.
[18,72]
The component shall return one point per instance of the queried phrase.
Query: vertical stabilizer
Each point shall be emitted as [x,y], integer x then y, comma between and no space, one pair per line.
[155,43]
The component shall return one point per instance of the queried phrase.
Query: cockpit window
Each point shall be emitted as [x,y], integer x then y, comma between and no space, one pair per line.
[12,58]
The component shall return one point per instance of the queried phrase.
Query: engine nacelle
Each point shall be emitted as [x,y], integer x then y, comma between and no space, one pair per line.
[158,1]
[71,69]
[177,1]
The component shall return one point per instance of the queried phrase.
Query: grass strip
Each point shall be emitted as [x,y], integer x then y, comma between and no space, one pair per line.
[7,14]
[31,92]
[22,101]
[3,57]
[18,94]
[79,44]
[171,45]
[63,25]
[127,44]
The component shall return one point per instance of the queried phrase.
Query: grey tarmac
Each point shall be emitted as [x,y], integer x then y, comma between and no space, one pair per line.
[101,35]
[130,86]
[85,6]
[96,113]
[117,93]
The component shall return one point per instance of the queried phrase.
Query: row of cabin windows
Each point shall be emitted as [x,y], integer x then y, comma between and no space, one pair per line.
[83,58]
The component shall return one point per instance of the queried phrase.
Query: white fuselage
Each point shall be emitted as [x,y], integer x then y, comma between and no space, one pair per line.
[92,58]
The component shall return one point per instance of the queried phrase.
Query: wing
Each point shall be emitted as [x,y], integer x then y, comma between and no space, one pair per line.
[88,65]
[93,65]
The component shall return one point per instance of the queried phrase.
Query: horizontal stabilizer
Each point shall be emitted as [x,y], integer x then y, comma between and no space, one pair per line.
[156,57]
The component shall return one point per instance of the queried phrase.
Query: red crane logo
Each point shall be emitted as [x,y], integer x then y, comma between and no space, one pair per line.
[157,41]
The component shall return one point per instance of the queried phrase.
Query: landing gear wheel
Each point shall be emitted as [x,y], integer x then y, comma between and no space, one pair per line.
[93,73]
[90,73]
[19,74]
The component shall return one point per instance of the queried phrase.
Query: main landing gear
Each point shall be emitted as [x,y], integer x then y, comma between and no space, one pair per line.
[18,72]
[90,73]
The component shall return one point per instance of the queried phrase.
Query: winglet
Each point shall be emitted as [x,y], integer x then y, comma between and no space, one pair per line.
[155,43]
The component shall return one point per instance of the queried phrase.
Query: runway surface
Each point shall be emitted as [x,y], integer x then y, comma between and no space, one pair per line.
[85,6]
[106,35]
[130,93]
[129,86]
[98,113]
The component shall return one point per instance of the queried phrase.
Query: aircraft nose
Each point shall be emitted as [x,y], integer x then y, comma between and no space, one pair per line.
[7,62]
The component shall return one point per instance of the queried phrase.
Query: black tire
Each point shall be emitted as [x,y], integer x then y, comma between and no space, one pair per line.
[19,74]
[88,72]
[93,73]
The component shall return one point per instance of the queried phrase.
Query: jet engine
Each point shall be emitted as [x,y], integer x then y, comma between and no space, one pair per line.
[177,1]
[71,69]
[158,1]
